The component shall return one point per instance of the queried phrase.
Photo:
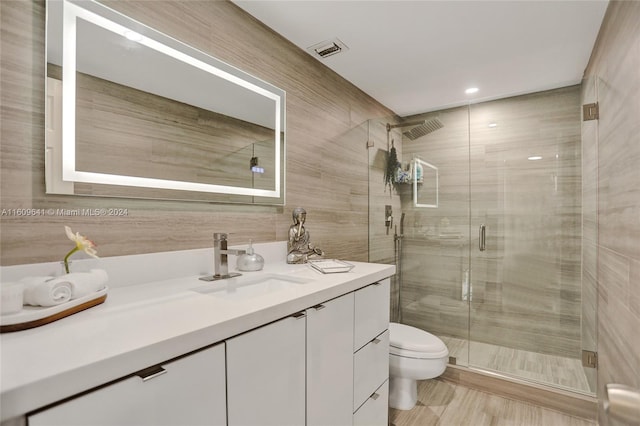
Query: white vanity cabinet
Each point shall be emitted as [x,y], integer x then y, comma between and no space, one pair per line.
[371,357]
[186,391]
[330,362]
[266,375]
[296,371]
[269,368]
[325,366]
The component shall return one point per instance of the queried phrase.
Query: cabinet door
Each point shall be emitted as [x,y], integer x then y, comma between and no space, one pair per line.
[330,363]
[191,391]
[266,375]
[371,312]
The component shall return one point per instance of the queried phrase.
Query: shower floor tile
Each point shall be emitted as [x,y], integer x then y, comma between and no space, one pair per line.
[445,404]
[563,372]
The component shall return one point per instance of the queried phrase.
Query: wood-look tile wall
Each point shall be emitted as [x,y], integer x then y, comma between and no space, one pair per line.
[614,67]
[327,159]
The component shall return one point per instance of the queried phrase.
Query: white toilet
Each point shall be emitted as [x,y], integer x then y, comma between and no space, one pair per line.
[414,355]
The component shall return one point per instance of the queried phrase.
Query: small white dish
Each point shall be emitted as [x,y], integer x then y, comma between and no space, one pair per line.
[330,266]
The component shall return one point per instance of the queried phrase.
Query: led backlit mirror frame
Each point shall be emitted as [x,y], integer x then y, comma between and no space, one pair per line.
[113,21]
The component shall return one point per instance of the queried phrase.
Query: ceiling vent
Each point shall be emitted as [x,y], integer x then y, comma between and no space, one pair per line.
[327,48]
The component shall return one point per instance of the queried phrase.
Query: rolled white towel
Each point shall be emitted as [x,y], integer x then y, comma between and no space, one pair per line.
[45,291]
[84,283]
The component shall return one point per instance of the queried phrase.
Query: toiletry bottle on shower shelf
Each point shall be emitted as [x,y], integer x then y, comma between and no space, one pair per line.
[418,171]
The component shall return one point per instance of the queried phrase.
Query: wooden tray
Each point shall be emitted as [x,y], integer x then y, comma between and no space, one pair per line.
[35,316]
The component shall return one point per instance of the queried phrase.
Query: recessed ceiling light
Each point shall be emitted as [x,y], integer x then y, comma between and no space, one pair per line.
[534,157]
[492,125]
[471,90]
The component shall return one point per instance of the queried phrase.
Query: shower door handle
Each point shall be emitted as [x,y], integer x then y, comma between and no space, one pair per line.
[482,238]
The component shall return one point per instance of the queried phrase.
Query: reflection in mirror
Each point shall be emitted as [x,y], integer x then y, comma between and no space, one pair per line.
[134,113]
[425,184]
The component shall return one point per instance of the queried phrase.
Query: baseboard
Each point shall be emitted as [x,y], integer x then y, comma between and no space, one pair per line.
[570,403]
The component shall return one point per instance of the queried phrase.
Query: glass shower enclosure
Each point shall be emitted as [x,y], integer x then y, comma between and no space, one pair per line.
[490,247]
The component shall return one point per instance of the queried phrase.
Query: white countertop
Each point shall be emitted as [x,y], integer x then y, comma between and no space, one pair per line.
[147,324]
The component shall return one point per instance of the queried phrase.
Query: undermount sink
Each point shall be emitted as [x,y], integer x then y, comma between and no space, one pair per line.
[244,287]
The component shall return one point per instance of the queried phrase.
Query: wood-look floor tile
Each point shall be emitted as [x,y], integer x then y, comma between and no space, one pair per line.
[445,404]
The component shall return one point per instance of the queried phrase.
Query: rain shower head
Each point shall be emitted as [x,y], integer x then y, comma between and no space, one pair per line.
[420,128]
[425,128]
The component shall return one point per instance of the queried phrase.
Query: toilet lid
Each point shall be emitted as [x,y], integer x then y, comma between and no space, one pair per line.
[407,338]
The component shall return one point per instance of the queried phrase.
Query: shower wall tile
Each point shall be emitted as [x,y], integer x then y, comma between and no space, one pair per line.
[614,66]
[327,163]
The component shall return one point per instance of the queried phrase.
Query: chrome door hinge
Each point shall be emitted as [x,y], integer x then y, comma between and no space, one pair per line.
[589,359]
[590,112]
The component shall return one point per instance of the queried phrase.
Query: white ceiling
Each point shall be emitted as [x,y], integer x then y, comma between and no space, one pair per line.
[418,56]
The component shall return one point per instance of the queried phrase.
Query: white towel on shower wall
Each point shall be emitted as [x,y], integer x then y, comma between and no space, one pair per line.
[45,291]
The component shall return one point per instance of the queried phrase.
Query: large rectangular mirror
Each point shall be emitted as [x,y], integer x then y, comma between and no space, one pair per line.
[132,112]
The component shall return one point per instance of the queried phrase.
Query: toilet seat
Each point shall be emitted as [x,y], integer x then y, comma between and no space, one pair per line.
[411,342]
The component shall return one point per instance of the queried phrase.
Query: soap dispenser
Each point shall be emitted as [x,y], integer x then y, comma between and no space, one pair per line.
[250,261]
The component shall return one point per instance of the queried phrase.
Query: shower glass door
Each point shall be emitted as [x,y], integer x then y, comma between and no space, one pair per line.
[526,226]
[501,266]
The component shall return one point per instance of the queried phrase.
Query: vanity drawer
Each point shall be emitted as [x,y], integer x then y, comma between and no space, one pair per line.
[370,368]
[375,410]
[371,312]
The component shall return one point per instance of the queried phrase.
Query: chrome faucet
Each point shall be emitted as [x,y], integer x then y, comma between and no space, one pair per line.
[220,261]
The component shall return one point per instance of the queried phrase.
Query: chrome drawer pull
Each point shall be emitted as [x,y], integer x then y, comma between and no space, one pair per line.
[299,315]
[151,372]
[318,307]
[376,341]
[374,396]
[377,283]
